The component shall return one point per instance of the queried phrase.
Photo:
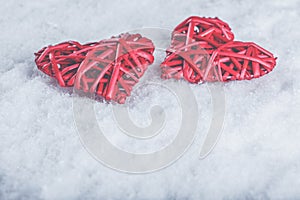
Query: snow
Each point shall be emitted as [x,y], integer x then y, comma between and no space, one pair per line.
[41,156]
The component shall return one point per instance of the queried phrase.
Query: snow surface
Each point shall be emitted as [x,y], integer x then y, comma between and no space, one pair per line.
[41,157]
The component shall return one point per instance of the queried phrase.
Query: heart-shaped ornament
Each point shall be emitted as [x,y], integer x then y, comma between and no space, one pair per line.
[113,67]
[202,49]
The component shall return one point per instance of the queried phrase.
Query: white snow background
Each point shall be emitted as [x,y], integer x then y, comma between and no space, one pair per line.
[41,157]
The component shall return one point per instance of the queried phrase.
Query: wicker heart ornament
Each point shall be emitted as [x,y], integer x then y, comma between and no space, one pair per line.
[115,66]
[108,69]
[202,49]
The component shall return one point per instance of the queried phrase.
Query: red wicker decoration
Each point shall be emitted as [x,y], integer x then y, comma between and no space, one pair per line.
[115,66]
[202,49]
[61,61]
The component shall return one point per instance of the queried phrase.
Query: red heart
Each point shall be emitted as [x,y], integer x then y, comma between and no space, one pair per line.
[61,61]
[112,68]
[202,50]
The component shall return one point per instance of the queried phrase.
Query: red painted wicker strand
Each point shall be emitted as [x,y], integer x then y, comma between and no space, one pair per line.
[61,61]
[115,66]
[202,49]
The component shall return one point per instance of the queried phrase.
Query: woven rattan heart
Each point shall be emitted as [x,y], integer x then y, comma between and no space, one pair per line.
[113,67]
[202,50]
